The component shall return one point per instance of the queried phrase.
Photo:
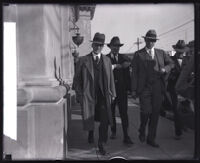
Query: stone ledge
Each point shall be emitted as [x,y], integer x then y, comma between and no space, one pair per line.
[39,94]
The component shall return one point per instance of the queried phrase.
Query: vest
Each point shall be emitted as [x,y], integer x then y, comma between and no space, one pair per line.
[98,79]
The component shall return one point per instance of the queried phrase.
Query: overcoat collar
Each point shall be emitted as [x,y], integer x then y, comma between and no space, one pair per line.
[89,64]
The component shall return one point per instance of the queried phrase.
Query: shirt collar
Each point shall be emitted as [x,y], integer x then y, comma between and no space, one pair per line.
[147,49]
[112,55]
[94,55]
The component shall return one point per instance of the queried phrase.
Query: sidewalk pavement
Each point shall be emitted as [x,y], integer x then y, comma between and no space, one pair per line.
[170,149]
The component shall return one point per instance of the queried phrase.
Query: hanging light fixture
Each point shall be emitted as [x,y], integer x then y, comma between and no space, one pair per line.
[77,39]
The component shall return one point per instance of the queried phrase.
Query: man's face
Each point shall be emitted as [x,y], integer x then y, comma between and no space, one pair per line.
[179,55]
[97,48]
[150,43]
[114,49]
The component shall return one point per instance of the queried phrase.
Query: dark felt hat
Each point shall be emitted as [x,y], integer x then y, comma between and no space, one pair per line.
[115,42]
[180,46]
[151,34]
[99,38]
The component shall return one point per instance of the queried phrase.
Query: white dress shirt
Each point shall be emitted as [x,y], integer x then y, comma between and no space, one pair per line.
[151,52]
[95,55]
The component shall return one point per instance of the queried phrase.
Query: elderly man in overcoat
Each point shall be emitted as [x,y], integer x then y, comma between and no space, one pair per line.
[95,89]
[120,65]
[179,62]
[149,66]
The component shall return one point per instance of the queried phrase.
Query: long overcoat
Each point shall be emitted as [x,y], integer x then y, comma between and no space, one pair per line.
[84,88]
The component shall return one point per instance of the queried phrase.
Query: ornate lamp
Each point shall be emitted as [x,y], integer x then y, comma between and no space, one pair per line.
[77,39]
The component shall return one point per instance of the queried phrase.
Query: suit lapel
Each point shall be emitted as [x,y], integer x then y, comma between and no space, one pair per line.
[159,58]
[144,56]
[89,64]
[105,66]
[120,59]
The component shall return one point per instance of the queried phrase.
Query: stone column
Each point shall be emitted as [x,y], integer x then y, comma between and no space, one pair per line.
[41,106]
[38,44]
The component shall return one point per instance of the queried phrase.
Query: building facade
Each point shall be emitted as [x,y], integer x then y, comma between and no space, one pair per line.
[44,58]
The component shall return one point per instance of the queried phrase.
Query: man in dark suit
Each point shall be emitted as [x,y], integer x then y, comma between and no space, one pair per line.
[185,82]
[149,66]
[95,89]
[120,66]
[179,62]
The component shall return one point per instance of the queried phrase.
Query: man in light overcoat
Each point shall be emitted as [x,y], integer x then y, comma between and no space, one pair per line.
[95,89]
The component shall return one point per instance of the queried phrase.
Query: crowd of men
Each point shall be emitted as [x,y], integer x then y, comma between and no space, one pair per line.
[102,82]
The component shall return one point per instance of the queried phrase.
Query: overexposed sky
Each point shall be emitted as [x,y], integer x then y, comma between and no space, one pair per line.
[129,21]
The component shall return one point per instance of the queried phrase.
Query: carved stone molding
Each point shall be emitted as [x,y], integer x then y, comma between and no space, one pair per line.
[39,94]
[77,8]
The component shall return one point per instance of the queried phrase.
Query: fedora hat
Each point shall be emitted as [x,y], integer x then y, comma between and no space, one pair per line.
[180,46]
[99,38]
[151,34]
[115,42]
[191,44]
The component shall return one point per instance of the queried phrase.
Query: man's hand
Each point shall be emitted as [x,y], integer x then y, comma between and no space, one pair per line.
[125,64]
[117,66]
[181,98]
[163,70]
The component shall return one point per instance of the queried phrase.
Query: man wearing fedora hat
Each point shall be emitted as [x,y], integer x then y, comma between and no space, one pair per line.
[149,65]
[120,64]
[95,89]
[180,59]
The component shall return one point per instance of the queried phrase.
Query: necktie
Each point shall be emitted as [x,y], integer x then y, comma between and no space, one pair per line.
[115,59]
[97,59]
[151,54]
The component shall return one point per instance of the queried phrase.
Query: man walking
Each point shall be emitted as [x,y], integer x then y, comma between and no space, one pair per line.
[95,89]
[149,66]
[179,62]
[120,66]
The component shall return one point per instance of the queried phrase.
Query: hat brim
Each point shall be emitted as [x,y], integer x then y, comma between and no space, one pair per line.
[151,38]
[97,42]
[115,45]
[185,49]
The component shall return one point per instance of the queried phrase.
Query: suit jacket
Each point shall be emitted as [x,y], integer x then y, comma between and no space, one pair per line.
[185,83]
[175,72]
[84,88]
[122,75]
[140,68]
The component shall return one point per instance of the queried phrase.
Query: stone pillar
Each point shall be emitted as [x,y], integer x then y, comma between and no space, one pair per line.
[38,44]
[41,106]
[66,44]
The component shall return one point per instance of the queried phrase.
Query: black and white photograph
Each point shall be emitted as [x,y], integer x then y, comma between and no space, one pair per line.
[100,81]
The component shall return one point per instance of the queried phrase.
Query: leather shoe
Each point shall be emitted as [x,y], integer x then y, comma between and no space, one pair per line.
[152,143]
[142,138]
[128,141]
[113,136]
[101,149]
